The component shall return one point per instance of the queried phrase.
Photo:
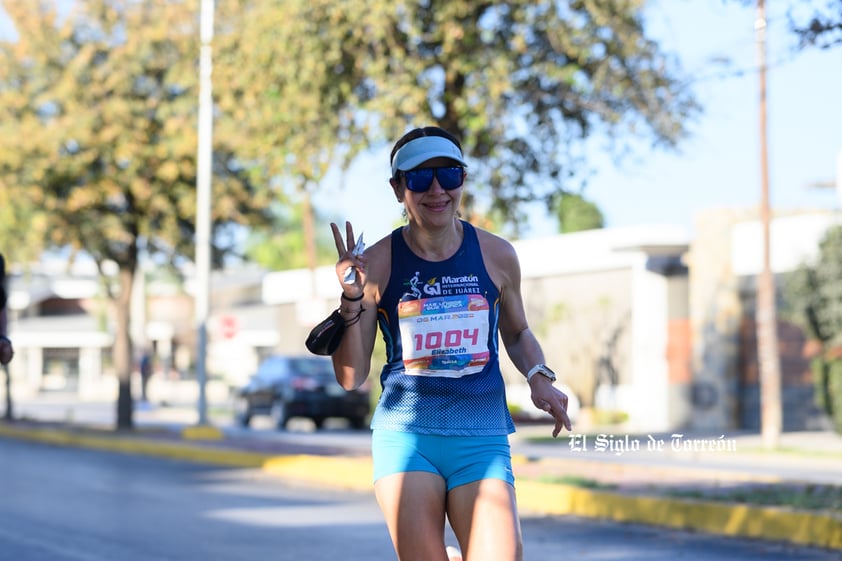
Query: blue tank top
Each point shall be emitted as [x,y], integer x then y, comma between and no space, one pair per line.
[439,323]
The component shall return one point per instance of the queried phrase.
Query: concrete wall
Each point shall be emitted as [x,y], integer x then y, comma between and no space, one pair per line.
[724,261]
[583,322]
[715,316]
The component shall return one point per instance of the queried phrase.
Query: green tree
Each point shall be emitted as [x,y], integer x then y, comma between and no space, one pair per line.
[280,247]
[813,296]
[310,84]
[523,83]
[289,79]
[576,213]
[98,142]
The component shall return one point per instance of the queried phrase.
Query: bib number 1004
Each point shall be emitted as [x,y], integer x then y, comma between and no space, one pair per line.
[446,339]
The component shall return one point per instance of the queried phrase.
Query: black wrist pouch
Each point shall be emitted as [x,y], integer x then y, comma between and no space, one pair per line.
[325,337]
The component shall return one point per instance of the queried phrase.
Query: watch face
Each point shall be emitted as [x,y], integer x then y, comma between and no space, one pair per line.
[543,370]
[548,373]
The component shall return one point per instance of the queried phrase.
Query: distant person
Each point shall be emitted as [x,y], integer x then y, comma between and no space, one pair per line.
[145,374]
[440,290]
[6,350]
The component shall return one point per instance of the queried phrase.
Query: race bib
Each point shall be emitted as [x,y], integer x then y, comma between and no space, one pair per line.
[445,336]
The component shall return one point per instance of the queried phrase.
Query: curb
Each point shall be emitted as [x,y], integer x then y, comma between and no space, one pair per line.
[176,450]
[337,472]
[817,529]
[735,520]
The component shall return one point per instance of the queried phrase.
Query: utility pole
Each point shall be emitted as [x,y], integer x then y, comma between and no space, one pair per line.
[766,313]
[204,161]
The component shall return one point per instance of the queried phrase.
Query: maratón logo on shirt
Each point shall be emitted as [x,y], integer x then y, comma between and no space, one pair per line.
[447,285]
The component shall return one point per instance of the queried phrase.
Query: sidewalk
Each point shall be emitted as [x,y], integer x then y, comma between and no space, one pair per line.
[665,487]
[802,457]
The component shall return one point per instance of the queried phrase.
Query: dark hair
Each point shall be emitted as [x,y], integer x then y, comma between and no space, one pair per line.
[418,133]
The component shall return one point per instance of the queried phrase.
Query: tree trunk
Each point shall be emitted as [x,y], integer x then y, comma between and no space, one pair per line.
[123,350]
[309,228]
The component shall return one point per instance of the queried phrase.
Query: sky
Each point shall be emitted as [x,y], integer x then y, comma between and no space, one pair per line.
[718,166]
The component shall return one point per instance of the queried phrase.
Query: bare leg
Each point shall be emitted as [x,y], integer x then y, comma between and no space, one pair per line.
[413,504]
[483,515]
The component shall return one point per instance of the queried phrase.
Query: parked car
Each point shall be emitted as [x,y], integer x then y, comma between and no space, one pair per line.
[300,386]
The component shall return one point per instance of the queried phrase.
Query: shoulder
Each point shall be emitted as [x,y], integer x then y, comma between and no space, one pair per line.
[496,250]
[500,259]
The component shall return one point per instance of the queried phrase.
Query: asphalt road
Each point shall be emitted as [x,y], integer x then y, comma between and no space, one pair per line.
[65,504]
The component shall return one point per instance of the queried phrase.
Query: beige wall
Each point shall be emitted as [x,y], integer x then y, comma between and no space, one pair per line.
[575,316]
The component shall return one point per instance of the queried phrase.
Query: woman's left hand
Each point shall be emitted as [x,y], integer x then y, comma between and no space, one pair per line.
[548,398]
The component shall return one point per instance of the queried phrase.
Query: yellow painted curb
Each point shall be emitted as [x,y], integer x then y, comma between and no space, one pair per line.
[202,432]
[770,523]
[136,445]
[353,473]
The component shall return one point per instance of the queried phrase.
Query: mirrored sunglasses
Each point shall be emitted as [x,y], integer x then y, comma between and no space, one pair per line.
[420,180]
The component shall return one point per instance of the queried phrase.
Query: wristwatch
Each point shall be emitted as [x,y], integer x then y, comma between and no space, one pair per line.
[543,370]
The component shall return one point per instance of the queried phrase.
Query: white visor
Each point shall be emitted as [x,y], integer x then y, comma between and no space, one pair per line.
[417,151]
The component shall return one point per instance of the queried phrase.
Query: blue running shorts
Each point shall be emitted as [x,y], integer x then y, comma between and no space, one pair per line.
[458,459]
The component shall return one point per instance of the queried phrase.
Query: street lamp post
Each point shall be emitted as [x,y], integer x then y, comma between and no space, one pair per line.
[204,161]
